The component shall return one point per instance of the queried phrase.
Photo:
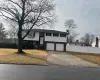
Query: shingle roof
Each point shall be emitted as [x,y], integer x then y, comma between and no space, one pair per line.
[46,30]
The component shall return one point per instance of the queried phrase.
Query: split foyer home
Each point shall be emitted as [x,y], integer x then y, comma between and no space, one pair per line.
[45,39]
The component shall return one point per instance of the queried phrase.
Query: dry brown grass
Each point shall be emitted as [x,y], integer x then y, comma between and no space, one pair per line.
[94,58]
[9,56]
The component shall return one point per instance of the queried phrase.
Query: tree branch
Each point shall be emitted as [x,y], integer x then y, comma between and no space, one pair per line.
[41,24]
[8,10]
[8,17]
[15,3]
[32,25]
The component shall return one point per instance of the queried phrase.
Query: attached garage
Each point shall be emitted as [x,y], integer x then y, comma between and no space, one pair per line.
[50,46]
[59,47]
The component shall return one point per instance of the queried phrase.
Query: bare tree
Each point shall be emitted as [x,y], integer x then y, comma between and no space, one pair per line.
[88,39]
[28,13]
[71,26]
[72,37]
[2,32]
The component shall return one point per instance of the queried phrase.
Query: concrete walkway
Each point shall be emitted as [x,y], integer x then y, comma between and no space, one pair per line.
[65,59]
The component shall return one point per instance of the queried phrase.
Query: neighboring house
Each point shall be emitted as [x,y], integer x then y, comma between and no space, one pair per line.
[46,39]
[77,43]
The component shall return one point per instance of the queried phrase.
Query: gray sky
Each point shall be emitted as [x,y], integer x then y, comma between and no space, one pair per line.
[86,14]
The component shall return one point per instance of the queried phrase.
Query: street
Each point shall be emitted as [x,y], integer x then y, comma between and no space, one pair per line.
[34,72]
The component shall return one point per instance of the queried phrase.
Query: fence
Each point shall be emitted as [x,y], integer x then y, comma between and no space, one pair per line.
[82,49]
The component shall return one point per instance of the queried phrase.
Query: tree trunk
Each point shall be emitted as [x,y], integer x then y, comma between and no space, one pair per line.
[20,39]
[20,44]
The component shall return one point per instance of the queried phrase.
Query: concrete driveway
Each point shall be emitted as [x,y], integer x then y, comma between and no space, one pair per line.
[33,72]
[65,59]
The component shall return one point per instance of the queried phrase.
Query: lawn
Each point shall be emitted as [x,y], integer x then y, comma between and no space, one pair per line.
[94,58]
[9,56]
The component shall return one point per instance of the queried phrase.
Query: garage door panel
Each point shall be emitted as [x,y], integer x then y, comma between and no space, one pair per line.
[59,47]
[50,46]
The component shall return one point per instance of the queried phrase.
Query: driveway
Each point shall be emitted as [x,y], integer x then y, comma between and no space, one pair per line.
[33,72]
[65,59]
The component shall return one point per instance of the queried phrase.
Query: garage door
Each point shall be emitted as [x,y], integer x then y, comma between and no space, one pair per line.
[59,47]
[50,46]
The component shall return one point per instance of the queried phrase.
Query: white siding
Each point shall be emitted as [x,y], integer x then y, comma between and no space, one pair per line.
[36,38]
[55,39]
[50,46]
[83,49]
[59,47]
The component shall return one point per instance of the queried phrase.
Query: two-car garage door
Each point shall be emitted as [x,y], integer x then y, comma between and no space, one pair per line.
[57,47]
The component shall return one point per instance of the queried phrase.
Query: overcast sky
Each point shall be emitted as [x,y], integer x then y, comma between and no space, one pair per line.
[86,14]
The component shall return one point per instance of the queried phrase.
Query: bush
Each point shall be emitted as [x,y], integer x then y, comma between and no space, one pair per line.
[8,45]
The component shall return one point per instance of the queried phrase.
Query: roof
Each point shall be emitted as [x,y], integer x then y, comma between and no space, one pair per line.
[46,30]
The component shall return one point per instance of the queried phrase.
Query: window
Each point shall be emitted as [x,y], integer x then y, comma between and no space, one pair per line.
[31,35]
[62,35]
[55,34]
[48,34]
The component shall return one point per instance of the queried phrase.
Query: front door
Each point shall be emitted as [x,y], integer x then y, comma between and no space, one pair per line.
[41,40]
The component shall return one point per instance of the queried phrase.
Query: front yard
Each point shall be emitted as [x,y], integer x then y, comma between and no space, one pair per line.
[66,59]
[9,56]
[94,58]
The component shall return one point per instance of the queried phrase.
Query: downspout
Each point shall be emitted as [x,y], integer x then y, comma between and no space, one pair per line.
[67,40]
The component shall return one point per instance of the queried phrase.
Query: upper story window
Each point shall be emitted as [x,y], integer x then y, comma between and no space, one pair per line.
[48,34]
[62,35]
[31,35]
[56,34]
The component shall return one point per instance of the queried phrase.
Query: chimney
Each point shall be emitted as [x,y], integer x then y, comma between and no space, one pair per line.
[97,42]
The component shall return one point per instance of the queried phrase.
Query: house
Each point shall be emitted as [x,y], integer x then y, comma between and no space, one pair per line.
[77,43]
[46,39]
